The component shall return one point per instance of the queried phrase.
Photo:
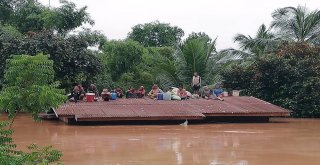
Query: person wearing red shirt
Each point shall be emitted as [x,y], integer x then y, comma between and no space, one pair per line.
[182,93]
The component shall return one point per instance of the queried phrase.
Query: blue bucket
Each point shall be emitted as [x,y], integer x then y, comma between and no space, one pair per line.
[160,96]
[113,96]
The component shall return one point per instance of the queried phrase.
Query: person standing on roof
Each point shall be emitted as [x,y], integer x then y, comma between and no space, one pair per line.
[196,83]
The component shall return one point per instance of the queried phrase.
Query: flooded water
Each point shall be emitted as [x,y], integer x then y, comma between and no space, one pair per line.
[285,142]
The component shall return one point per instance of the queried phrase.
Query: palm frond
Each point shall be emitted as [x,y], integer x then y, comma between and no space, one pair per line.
[180,64]
[233,55]
[194,55]
[165,72]
[313,25]
[296,24]
[242,40]
[166,81]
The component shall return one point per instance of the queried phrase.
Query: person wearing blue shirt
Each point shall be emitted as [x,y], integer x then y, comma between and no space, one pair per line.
[218,92]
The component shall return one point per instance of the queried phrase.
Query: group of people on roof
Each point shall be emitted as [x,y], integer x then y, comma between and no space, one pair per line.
[174,93]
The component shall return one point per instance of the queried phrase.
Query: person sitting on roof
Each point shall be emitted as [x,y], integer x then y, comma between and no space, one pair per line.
[154,91]
[105,95]
[77,93]
[74,96]
[119,92]
[141,92]
[131,93]
[93,89]
[182,93]
[206,93]
[218,92]
[173,92]
[82,93]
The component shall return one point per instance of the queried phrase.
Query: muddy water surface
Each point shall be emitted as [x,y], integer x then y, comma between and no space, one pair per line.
[285,142]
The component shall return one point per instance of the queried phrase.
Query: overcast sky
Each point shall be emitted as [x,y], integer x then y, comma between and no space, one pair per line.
[217,18]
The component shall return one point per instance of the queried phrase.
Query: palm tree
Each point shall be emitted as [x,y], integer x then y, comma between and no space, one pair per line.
[260,43]
[166,72]
[264,41]
[297,24]
[193,55]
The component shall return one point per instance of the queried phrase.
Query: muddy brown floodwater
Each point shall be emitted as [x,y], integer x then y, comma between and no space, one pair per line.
[283,142]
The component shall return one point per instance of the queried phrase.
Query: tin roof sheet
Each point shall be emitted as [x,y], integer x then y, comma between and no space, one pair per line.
[159,109]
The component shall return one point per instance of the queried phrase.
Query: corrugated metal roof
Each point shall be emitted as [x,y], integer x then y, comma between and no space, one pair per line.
[147,109]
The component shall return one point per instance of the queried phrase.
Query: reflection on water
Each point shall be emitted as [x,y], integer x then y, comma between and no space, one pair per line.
[293,141]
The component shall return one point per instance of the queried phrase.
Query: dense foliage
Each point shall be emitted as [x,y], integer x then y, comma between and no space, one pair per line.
[129,64]
[71,57]
[29,86]
[48,33]
[156,34]
[290,78]
[122,57]
[31,16]
[281,63]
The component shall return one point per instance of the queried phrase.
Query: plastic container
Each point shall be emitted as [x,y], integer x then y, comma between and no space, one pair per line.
[90,97]
[160,96]
[167,96]
[113,96]
[225,94]
[235,93]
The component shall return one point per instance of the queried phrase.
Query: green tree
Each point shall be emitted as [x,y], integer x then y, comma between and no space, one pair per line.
[69,17]
[29,86]
[198,35]
[297,24]
[71,54]
[193,55]
[263,42]
[289,78]
[30,15]
[128,64]
[5,11]
[9,36]
[27,16]
[165,51]
[289,25]
[122,57]
[156,34]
